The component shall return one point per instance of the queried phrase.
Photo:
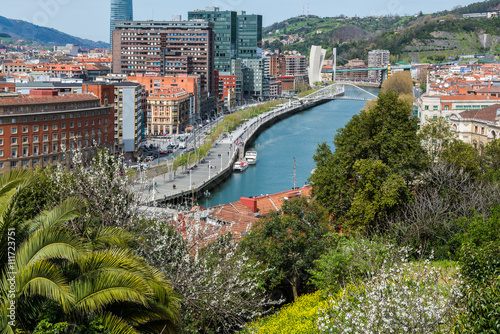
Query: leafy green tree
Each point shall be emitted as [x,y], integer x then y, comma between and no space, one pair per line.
[462,155]
[290,241]
[351,259]
[491,160]
[100,279]
[436,136]
[385,136]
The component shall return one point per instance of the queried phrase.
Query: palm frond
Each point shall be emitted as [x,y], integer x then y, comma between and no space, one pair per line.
[116,325]
[52,243]
[43,278]
[110,236]
[71,208]
[104,288]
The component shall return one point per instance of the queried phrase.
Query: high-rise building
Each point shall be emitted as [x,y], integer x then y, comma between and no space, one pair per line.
[163,48]
[249,36]
[377,58]
[121,10]
[225,31]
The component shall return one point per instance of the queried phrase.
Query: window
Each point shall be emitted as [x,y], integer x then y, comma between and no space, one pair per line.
[86,123]
[1,131]
[13,152]
[13,140]
[54,126]
[1,142]
[13,130]
[1,153]
[35,150]
[93,122]
[72,124]
[25,129]
[54,136]
[35,138]
[446,107]
[79,124]
[426,108]
[54,148]
[45,149]
[434,107]
[63,135]
[45,127]
[63,126]
[45,137]
[35,128]
[25,140]
[25,151]
[71,134]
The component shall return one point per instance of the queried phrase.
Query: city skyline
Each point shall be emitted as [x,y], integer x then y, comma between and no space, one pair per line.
[60,14]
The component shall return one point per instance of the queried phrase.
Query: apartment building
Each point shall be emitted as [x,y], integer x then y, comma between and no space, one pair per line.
[477,127]
[168,111]
[43,128]
[225,27]
[377,58]
[163,48]
[446,105]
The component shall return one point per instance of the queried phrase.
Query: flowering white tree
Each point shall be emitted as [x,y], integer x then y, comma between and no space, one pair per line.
[220,286]
[102,183]
[403,298]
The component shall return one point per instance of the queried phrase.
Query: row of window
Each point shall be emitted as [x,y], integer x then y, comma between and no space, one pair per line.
[56,147]
[55,136]
[54,117]
[35,162]
[36,128]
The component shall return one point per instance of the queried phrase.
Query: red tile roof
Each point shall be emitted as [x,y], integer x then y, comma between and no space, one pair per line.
[487,114]
[28,99]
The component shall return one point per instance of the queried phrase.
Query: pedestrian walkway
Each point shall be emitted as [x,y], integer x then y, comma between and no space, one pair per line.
[217,163]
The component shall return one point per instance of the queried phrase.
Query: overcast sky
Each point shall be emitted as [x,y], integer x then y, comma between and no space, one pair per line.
[90,18]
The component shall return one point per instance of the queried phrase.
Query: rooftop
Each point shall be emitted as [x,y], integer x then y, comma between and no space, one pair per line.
[486,114]
[29,99]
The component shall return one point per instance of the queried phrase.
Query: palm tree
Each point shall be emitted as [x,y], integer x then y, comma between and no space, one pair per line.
[92,275]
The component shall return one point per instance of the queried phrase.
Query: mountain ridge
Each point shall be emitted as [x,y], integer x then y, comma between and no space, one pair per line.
[23,30]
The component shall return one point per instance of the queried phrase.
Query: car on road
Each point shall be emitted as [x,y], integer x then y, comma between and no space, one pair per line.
[167,151]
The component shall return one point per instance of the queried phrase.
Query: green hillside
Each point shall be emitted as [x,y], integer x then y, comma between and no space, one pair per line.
[420,37]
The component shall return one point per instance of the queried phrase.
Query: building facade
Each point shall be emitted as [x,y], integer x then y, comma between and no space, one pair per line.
[377,58]
[42,128]
[151,48]
[168,111]
[249,36]
[121,10]
[225,26]
[477,127]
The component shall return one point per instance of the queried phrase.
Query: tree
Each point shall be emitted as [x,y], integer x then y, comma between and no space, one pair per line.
[463,156]
[83,279]
[436,136]
[399,82]
[220,288]
[491,160]
[289,241]
[385,136]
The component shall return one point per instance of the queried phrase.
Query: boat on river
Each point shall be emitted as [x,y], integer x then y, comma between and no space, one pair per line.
[240,166]
[251,157]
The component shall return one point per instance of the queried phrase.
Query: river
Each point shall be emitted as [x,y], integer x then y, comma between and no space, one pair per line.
[297,136]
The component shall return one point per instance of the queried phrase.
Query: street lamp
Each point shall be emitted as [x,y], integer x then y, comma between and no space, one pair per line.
[190,186]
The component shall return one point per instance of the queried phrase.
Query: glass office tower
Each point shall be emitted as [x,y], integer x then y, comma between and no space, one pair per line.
[121,10]
[225,30]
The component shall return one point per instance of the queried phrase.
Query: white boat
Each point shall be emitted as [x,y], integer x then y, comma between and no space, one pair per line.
[251,157]
[240,166]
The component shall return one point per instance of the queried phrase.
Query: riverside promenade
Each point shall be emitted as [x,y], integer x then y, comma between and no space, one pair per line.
[186,185]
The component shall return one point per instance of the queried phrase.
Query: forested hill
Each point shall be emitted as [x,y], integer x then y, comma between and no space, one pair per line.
[22,30]
[420,37]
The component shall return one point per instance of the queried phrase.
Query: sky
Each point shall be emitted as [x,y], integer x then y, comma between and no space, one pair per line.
[90,18]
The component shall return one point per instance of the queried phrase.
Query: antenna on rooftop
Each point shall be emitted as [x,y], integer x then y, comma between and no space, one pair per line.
[308,8]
